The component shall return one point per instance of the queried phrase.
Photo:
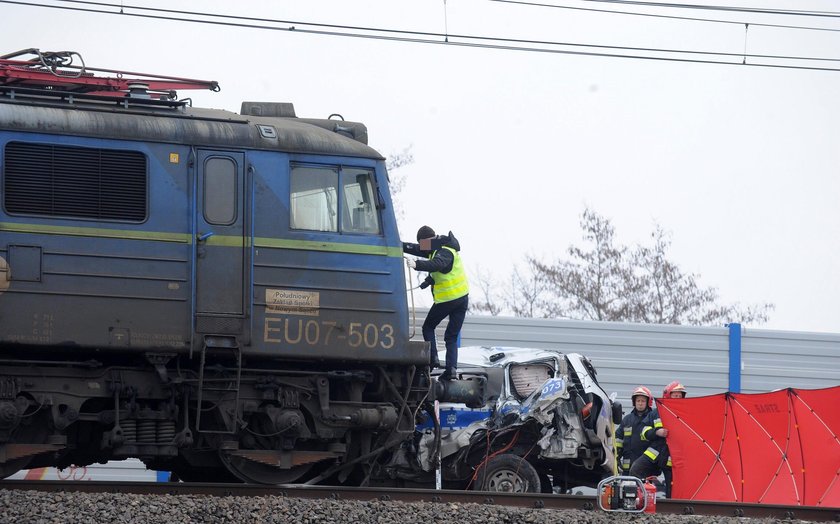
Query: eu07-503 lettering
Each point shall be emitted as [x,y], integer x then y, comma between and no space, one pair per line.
[325,332]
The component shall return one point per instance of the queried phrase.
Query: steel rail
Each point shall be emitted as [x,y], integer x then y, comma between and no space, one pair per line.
[522,500]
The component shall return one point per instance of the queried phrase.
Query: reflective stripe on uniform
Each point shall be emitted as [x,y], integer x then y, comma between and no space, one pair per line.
[651,453]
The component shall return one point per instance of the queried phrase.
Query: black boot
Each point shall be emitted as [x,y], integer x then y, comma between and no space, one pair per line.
[448,374]
[435,362]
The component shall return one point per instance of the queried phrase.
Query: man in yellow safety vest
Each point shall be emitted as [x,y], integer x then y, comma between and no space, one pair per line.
[450,290]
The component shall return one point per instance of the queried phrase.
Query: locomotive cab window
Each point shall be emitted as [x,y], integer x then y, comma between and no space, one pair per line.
[333,199]
[359,213]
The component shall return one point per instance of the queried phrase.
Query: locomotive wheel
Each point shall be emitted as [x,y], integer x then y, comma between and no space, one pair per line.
[507,473]
[253,472]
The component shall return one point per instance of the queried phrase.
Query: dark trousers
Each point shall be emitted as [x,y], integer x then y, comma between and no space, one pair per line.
[456,310]
[643,468]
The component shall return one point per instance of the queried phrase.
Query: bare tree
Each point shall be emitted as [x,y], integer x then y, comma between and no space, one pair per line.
[398,160]
[597,283]
[528,294]
[669,296]
[608,281]
[397,181]
[489,300]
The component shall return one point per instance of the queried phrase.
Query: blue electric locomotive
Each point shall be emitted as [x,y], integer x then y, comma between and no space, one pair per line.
[221,295]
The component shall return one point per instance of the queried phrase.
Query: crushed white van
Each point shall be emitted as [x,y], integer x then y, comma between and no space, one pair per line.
[547,426]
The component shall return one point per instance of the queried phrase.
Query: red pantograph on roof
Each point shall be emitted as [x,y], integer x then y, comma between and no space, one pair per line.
[57,71]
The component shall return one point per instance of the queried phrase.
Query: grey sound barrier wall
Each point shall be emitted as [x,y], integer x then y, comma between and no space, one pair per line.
[627,355]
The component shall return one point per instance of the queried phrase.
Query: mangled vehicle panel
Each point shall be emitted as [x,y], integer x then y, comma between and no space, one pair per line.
[546,425]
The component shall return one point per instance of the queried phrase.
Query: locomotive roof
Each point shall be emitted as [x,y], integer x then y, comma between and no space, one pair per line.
[187,125]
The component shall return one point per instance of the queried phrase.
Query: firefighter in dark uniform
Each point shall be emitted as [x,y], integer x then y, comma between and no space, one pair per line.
[450,290]
[629,444]
[656,458]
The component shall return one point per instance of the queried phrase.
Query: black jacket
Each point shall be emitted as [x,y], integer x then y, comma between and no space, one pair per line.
[442,260]
[629,437]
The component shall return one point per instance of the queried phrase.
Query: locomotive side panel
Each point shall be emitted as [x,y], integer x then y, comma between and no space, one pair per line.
[328,276]
[95,237]
[327,287]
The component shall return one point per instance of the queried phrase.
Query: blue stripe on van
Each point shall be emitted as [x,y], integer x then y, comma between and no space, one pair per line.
[457,418]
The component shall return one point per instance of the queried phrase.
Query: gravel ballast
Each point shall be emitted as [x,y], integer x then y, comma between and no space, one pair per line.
[25,507]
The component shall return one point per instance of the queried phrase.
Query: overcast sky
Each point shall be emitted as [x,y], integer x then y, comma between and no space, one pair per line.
[739,163]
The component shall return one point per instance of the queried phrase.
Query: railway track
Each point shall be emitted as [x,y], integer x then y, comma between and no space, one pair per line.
[521,500]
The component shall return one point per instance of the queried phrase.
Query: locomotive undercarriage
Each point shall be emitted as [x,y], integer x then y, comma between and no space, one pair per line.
[259,421]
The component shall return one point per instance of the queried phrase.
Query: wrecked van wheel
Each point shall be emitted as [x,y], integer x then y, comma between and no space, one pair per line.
[507,473]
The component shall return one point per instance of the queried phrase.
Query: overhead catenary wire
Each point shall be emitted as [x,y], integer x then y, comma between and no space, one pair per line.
[659,15]
[295,25]
[729,8]
[422,37]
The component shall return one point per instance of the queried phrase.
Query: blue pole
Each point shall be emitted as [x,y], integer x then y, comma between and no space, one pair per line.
[734,357]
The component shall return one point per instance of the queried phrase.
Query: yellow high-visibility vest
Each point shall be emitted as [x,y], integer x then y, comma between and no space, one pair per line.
[452,285]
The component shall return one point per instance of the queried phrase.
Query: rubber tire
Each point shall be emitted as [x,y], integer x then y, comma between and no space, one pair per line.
[507,473]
